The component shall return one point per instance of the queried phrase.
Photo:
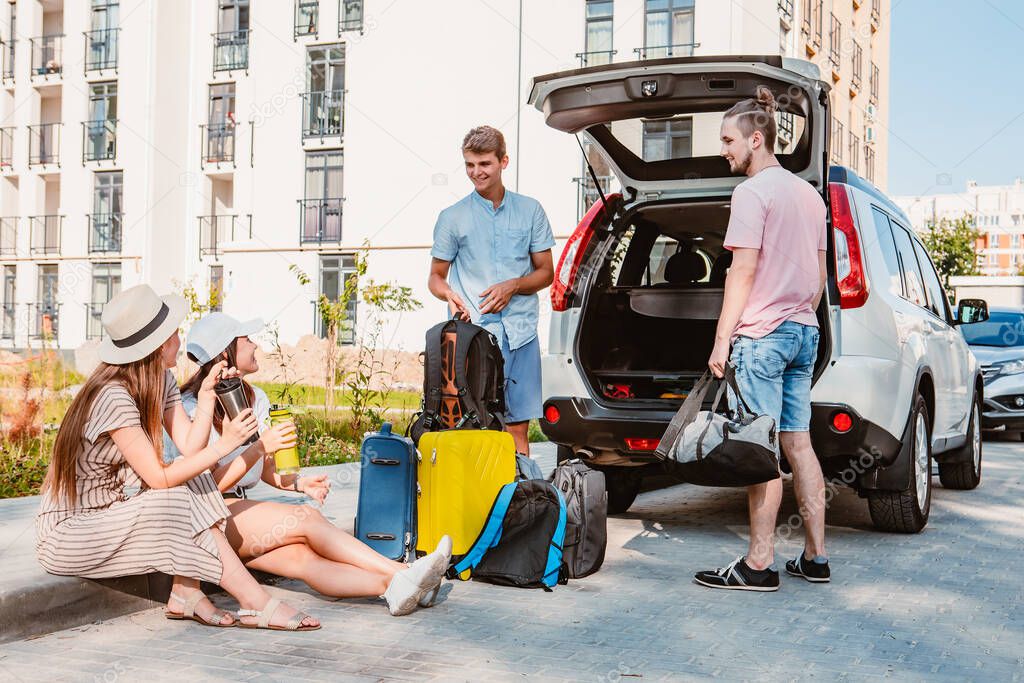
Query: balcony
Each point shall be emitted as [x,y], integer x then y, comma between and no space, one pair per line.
[786,13]
[858,68]
[876,14]
[47,55]
[664,51]
[874,83]
[8,58]
[869,163]
[836,146]
[596,57]
[323,114]
[101,49]
[99,140]
[45,316]
[215,230]
[854,153]
[105,232]
[7,148]
[835,39]
[218,141]
[320,220]
[350,15]
[307,18]
[9,236]
[9,321]
[231,50]
[45,234]
[44,144]
[94,321]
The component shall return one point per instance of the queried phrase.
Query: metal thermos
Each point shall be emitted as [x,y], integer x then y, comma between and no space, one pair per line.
[232,399]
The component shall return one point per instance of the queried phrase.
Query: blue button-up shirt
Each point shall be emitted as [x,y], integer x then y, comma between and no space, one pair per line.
[486,246]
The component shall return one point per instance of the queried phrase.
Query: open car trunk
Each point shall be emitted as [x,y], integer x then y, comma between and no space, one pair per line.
[655,293]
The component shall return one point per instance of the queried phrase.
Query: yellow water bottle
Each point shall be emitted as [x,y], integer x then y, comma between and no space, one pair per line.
[287,459]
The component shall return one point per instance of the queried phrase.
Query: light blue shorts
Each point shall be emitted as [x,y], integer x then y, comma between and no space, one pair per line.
[522,381]
[774,374]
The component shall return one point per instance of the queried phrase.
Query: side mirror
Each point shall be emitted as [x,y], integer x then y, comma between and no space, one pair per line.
[971,311]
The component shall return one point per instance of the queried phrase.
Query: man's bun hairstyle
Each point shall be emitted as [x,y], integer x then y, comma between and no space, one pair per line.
[757,114]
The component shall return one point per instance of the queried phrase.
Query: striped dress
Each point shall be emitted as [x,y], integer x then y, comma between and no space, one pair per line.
[106,533]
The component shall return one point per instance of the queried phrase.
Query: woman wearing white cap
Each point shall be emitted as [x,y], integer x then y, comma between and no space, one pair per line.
[297,542]
[110,438]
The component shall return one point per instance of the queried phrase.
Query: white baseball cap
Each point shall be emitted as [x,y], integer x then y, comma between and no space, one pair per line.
[213,333]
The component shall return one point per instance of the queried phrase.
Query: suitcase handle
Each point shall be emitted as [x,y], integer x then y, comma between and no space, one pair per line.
[384,461]
[380,537]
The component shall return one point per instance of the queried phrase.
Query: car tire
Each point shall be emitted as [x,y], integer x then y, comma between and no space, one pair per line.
[966,475]
[623,486]
[907,511]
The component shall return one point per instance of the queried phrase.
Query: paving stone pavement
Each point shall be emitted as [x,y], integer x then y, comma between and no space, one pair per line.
[945,604]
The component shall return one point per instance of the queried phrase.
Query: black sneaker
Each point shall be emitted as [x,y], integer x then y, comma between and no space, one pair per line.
[740,577]
[815,572]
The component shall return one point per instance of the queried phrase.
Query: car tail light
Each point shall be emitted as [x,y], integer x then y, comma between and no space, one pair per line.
[853,285]
[574,252]
[638,444]
[552,414]
[842,422]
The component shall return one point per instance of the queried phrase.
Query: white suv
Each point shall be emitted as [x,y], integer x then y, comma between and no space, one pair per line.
[639,287]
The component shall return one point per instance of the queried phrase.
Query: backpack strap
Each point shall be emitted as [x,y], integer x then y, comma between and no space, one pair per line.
[432,389]
[465,333]
[489,536]
[553,568]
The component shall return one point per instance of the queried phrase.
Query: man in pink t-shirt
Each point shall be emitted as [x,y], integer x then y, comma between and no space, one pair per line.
[777,237]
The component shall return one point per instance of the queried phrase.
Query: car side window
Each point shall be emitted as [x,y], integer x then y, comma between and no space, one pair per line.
[937,301]
[883,233]
[912,277]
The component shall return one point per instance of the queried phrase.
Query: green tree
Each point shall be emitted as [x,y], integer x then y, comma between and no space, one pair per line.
[952,246]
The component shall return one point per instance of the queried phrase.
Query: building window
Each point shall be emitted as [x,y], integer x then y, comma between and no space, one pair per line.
[100,131]
[598,38]
[835,36]
[664,140]
[107,213]
[869,163]
[1015,241]
[219,132]
[216,288]
[307,18]
[668,29]
[806,17]
[323,103]
[102,41]
[854,153]
[47,307]
[12,39]
[858,65]
[837,141]
[231,42]
[874,85]
[350,15]
[817,22]
[993,240]
[320,209]
[338,280]
[106,282]
[10,279]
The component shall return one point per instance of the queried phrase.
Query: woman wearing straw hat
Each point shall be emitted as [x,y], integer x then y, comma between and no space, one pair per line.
[297,542]
[110,438]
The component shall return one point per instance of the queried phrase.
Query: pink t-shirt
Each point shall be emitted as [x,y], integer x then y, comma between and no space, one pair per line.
[783,216]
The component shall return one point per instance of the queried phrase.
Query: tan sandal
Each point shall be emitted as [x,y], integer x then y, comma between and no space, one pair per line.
[189,612]
[264,615]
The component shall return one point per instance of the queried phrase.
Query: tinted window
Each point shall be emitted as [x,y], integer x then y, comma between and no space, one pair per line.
[936,297]
[894,281]
[1001,329]
[911,272]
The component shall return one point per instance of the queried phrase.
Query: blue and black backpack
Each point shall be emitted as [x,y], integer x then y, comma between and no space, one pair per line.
[521,543]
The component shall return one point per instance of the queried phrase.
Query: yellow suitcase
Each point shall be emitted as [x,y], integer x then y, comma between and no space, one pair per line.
[460,473]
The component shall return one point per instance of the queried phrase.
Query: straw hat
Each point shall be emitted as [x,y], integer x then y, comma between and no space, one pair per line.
[137,322]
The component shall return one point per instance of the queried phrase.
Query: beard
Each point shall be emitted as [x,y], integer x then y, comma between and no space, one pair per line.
[741,165]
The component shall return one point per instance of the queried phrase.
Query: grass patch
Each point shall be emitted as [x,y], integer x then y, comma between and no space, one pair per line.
[23,465]
[309,395]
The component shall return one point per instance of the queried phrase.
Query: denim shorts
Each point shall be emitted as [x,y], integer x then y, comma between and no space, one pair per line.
[774,374]
[522,381]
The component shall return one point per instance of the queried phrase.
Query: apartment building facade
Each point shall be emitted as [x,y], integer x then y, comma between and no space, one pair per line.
[997,212]
[230,144]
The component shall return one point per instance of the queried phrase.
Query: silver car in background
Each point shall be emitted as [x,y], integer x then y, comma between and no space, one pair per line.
[998,344]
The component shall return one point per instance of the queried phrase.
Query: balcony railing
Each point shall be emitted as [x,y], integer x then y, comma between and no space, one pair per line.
[101,49]
[8,49]
[320,220]
[47,55]
[854,153]
[94,321]
[869,163]
[45,234]
[218,140]
[323,114]
[44,144]
[99,140]
[817,22]
[105,230]
[45,316]
[7,310]
[350,15]
[806,15]
[596,57]
[215,230]
[835,39]
[874,77]
[876,14]
[307,18]
[663,51]
[8,236]
[858,66]
[7,148]
[785,123]
[231,50]
[837,142]
[786,10]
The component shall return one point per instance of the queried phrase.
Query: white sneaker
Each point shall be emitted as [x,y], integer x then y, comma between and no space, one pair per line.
[408,586]
[435,594]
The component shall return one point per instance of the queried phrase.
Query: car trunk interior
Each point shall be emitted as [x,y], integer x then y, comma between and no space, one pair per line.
[649,322]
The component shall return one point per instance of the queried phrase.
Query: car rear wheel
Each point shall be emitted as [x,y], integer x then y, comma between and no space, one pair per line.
[965,475]
[907,511]
[623,485]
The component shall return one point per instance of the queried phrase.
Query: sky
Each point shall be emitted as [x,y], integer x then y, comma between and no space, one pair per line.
[956,95]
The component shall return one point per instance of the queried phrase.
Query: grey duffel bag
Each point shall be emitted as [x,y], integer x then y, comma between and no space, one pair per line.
[586,514]
[710,449]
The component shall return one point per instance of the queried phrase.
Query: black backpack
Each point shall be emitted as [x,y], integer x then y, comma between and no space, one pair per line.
[463,380]
[586,505]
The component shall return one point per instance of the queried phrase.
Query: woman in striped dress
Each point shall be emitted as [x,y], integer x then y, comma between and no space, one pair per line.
[110,439]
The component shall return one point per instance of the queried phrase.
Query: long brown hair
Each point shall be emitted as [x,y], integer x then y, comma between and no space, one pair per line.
[757,113]
[145,382]
[230,354]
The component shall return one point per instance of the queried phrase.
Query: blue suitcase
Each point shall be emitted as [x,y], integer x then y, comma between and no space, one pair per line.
[386,515]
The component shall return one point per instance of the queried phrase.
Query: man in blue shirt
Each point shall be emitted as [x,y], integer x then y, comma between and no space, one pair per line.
[491,255]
